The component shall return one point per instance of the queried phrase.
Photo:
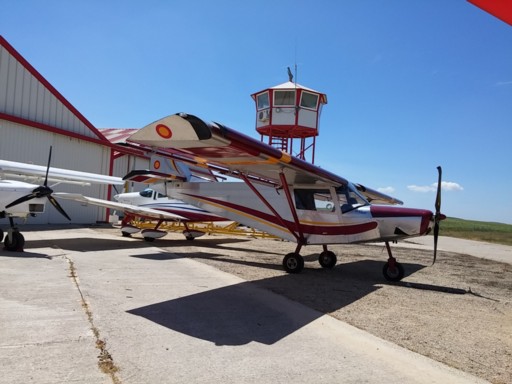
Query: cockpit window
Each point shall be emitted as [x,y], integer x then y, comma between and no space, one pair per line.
[313,199]
[146,193]
[349,198]
[320,200]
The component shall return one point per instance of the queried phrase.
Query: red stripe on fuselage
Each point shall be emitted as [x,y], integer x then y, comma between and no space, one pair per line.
[328,230]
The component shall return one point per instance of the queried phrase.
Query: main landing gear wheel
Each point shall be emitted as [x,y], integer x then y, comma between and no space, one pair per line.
[327,259]
[293,263]
[14,242]
[393,271]
[1,235]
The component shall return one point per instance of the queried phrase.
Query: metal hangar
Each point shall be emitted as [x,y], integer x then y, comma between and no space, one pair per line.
[35,116]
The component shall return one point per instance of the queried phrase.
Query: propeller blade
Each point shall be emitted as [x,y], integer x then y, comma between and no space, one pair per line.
[48,167]
[436,235]
[21,200]
[437,216]
[58,207]
[438,196]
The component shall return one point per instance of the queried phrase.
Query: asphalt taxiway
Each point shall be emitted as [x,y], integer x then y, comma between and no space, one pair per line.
[85,306]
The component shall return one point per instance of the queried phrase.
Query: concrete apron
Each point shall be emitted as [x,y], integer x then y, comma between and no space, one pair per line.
[79,306]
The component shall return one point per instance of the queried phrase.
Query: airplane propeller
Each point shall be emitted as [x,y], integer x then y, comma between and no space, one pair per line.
[42,191]
[438,216]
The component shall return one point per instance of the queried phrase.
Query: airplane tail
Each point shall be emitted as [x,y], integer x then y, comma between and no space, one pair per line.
[167,168]
[170,166]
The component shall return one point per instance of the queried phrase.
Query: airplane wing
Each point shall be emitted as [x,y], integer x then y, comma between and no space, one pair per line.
[38,172]
[376,197]
[126,208]
[237,154]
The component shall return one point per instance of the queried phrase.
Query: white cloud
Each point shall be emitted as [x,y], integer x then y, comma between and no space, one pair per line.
[450,186]
[418,188]
[386,189]
[502,83]
[445,186]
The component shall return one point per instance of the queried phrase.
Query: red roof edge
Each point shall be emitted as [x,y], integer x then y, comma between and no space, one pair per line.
[4,43]
[501,9]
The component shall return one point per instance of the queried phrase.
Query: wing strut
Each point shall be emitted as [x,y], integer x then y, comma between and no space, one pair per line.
[267,204]
[284,184]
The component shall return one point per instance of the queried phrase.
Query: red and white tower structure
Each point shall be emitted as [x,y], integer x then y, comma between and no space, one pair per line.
[288,116]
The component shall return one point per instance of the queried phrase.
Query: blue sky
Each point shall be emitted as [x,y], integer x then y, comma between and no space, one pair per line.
[410,84]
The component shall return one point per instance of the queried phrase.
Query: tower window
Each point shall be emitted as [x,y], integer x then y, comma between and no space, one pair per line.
[308,100]
[262,101]
[284,98]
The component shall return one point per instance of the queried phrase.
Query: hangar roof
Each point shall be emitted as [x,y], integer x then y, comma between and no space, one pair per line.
[27,98]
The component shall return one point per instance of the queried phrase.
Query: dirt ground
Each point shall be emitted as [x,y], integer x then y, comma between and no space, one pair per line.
[458,311]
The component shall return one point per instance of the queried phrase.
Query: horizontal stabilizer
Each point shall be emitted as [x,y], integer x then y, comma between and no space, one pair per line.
[150,177]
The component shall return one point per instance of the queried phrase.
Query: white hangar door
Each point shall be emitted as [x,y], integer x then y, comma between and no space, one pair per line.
[31,145]
[82,156]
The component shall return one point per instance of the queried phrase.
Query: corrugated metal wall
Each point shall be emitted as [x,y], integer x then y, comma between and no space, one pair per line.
[127,163]
[31,145]
[23,95]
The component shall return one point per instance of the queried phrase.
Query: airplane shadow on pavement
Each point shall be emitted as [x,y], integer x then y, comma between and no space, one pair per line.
[270,309]
[88,245]
[233,315]
[24,254]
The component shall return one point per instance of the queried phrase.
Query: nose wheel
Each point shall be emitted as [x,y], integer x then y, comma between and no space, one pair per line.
[392,270]
[327,259]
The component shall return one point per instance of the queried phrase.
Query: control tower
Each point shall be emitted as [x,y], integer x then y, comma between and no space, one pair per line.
[287,116]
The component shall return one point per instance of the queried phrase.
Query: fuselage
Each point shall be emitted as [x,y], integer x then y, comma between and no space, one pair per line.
[324,214]
[150,198]
[11,190]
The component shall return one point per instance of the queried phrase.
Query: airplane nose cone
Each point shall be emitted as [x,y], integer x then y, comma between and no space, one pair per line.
[423,216]
[427,218]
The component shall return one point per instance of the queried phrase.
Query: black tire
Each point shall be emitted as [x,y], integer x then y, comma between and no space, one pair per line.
[327,259]
[126,234]
[149,239]
[393,274]
[16,242]
[293,263]
[1,235]
[189,238]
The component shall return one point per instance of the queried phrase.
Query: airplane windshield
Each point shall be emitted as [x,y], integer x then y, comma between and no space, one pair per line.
[349,198]
[148,192]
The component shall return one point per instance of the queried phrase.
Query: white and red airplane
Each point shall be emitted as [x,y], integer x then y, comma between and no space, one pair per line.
[283,195]
[20,199]
[155,206]
[152,205]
